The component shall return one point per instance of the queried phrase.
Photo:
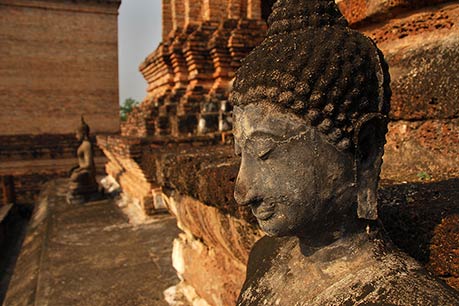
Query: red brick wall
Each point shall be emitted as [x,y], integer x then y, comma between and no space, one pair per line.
[234,9]
[58,60]
[215,9]
[193,11]
[178,14]
[254,9]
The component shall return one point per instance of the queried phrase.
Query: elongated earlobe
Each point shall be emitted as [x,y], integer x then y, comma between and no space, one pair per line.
[369,140]
[367,201]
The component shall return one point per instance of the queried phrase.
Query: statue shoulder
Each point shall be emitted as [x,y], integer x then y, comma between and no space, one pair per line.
[261,258]
[393,279]
[86,144]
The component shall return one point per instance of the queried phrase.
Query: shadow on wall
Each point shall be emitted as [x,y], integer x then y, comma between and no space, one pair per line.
[422,219]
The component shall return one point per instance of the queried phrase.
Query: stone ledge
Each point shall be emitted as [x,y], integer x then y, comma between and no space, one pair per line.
[206,173]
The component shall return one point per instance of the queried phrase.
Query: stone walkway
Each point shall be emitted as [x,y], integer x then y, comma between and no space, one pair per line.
[91,255]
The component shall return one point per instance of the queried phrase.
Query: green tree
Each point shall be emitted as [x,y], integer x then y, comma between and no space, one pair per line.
[127,107]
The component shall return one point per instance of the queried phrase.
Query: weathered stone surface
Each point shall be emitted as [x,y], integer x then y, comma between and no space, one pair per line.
[419,218]
[218,277]
[421,50]
[381,276]
[413,148]
[233,236]
[439,19]
[143,164]
[213,251]
[358,12]
[420,46]
[207,174]
[445,250]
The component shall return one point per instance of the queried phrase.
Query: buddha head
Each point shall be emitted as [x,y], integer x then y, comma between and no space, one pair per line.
[82,131]
[310,118]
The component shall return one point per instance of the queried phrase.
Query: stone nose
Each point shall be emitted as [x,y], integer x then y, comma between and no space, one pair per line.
[245,191]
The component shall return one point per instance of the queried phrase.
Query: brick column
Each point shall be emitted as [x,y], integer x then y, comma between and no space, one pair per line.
[234,9]
[178,14]
[193,11]
[214,9]
[254,9]
[167,18]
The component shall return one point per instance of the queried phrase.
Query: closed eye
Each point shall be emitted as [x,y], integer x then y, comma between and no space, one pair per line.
[265,154]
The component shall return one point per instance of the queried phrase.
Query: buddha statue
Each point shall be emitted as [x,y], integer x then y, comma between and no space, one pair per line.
[311,108]
[83,185]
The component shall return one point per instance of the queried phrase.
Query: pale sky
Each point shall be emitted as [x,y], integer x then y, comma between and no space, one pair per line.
[139,33]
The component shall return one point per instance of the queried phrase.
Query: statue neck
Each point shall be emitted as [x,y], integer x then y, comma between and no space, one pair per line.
[336,228]
[353,238]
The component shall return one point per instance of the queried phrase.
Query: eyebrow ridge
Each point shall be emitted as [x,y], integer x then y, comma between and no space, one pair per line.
[277,138]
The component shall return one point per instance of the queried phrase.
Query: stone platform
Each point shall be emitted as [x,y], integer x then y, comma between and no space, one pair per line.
[91,255]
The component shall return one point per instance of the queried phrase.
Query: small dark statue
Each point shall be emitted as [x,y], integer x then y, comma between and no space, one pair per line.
[310,118]
[83,185]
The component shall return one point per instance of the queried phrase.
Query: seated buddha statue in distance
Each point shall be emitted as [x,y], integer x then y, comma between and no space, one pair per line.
[83,185]
[310,118]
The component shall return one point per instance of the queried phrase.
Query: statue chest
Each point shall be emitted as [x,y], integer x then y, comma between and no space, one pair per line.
[329,277]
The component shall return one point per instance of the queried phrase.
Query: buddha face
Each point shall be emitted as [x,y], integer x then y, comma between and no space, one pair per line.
[292,179]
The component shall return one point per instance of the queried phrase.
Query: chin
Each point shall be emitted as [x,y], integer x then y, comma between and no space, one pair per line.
[275,229]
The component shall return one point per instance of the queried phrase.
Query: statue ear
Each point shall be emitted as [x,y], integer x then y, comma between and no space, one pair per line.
[369,140]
